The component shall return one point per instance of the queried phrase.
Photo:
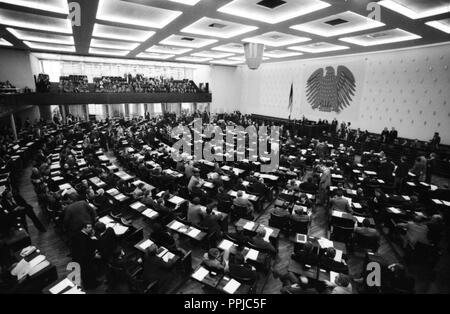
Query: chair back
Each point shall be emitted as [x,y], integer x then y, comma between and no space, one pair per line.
[299,226]
[280,222]
[342,234]
[224,206]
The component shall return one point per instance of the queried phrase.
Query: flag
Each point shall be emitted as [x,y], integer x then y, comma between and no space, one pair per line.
[291,100]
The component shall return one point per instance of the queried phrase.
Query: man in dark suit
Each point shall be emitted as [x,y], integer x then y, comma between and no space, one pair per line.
[83,252]
[18,206]
[106,241]
[261,244]
[239,269]
[76,215]
[392,135]
[308,186]
[154,267]
[211,222]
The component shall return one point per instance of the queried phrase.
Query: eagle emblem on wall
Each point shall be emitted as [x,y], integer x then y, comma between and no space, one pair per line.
[332,91]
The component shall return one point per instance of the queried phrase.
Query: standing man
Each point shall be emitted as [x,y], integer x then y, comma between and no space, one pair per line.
[400,173]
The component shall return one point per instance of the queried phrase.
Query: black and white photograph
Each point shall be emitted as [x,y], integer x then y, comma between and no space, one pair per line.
[224,152]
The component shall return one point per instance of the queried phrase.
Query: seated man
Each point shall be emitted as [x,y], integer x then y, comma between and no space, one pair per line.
[242,201]
[194,212]
[341,285]
[260,188]
[292,186]
[213,260]
[240,236]
[367,231]
[280,212]
[238,269]
[211,221]
[308,185]
[296,285]
[222,196]
[138,191]
[161,237]
[416,232]
[328,262]
[340,203]
[154,268]
[261,244]
[100,199]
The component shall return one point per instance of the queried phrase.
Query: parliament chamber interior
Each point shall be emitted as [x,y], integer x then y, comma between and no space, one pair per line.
[226,147]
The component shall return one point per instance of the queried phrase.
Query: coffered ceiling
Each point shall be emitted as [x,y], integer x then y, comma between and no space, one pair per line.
[213,31]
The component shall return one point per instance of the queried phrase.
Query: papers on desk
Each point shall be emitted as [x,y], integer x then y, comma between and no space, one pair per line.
[65,186]
[137,205]
[357,205]
[193,232]
[380,181]
[38,267]
[325,243]
[61,286]
[269,231]
[149,213]
[395,210]
[200,274]
[113,192]
[411,183]
[74,290]
[209,185]
[232,286]
[424,184]
[433,187]
[176,200]
[356,171]
[406,197]
[168,256]
[119,229]
[252,255]
[249,225]
[373,173]
[309,196]
[436,201]
[175,225]
[333,276]
[446,203]
[106,220]
[359,219]
[411,174]
[226,245]
[338,213]
[336,176]
[120,197]
[162,250]
[145,245]
[37,260]
[338,256]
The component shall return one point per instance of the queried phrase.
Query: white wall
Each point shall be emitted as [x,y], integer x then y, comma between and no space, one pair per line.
[225,86]
[408,89]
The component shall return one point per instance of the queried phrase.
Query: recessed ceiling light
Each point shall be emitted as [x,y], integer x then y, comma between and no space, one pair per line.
[381,38]
[4,42]
[35,22]
[46,46]
[422,8]
[108,52]
[318,47]
[168,49]
[272,11]
[113,44]
[41,37]
[442,25]
[57,6]
[338,24]
[121,33]
[193,59]
[276,39]
[188,2]
[212,54]
[217,28]
[242,58]
[187,41]
[151,55]
[135,14]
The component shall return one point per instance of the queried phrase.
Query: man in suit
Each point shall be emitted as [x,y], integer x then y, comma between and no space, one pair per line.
[401,172]
[308,186]
[16,204]
[106,241]
[239,269]
[367,231]
[154,267]
[83,252]
[194,211]
[242,201]
[392,135]
[340,203]
[261,244]
[76,215]
[211,221]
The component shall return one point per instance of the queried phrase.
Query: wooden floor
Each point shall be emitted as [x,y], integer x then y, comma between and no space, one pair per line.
[54,247]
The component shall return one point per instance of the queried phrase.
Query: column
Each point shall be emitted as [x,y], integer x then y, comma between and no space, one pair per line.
[13,127]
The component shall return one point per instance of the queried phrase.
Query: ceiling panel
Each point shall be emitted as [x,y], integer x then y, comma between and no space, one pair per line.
[168,49]
[276,39]
[152,55]
[338,24]
[442,25]
[135,14]
[278,54]
[41,37]
[217,28]
[187,41]
[225,62]
[319,47]
[108,52]
[212,54]
[121,33]
[417,9]
[35,21]
[51,47]
[192,59]
[272,11]
[56,6]
[381,38]
[231,47]
[113,44]
[4,42]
